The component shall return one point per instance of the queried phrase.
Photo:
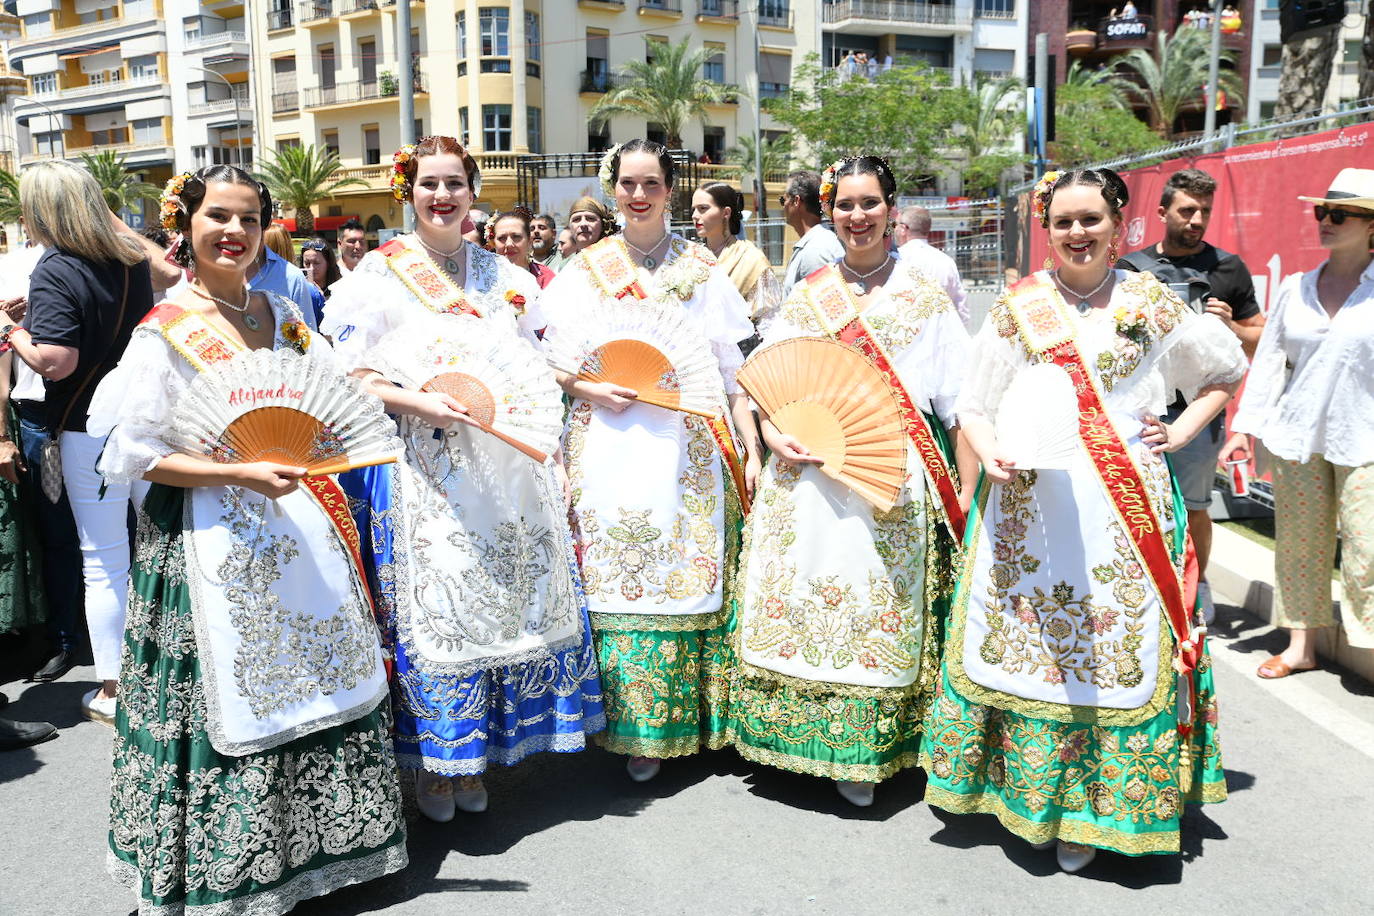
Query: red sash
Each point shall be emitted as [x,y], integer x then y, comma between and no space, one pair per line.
[430,285]
[1038,311]
[203,345]
[617,276]
[838,312]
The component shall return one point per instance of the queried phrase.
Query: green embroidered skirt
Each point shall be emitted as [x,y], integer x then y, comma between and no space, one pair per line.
[195,831]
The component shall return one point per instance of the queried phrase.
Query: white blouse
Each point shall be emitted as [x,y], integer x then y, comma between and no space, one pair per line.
[1325,406]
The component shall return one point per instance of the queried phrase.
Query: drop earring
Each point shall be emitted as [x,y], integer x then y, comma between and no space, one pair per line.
[891,228]
[1049,263]
[1113,250]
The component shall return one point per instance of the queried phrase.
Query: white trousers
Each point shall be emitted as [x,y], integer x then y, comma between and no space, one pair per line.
[103,531]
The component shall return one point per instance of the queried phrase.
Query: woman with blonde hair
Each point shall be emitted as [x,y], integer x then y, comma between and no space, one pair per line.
[87,293]
[279,240]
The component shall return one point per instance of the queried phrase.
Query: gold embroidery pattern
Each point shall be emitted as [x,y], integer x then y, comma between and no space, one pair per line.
[898,320]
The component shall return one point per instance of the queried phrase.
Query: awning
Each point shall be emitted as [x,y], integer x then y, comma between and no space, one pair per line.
[321,222]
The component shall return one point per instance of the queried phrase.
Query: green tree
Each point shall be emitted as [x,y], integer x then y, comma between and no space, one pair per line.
[777,156]
[1119,88]
[300,177]
[10,211]
[990,117]
[1089,127]
[668,90]
[905,116]
[1175,76]
[122,190]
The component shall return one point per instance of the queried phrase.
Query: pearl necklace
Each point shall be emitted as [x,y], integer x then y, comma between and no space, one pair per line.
[249,321]
[858,285]
[1083,305]
[450,264]
[650,262]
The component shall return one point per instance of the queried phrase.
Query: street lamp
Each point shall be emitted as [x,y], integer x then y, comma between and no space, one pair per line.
[238,122]
[61,142]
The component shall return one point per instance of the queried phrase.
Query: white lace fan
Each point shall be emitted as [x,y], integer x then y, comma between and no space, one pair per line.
[645,346]
[502,379]
[1037,421]
[279,406]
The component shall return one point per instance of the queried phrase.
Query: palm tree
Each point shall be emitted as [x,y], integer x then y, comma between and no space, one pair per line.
[300,177]
[989,115]
[122,190]
[10,211]
[1305,72]
[777,156]
[1175,76]
[667,90]
[1117,88]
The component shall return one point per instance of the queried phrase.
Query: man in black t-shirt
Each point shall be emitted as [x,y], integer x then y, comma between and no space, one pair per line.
[1213,282]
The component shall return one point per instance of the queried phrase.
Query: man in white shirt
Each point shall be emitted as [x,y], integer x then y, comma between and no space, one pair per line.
[816,245]
[911,234]
[352,245]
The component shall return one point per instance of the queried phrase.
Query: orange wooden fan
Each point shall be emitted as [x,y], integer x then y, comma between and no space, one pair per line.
[837,404]
[473,394]
[641,366]
[288,436]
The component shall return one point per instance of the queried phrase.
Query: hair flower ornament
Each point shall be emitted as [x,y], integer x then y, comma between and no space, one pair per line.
[828,182]
[400,184]
[297,335]
[1040,196]
[606,173]
[169,204]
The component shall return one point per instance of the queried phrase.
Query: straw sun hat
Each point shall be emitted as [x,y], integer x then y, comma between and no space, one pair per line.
[1351,187]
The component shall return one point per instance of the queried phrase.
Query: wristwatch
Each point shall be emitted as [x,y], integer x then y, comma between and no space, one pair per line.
[5,333]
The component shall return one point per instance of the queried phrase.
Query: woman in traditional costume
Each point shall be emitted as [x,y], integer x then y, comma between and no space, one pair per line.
[718,215]
[482,606]
[251,767]
[1076,701]
[656,492]
[842,603]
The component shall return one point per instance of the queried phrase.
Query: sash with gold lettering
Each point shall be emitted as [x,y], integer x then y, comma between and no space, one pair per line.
[284,624]
[838,313]
[430,285]
[617,275]
[1038,310]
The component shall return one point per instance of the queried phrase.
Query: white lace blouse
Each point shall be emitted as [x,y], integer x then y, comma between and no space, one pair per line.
[1325,404]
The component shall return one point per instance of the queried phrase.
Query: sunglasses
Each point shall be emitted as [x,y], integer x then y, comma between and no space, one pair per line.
[1337,216]
[314,245]
[782,200]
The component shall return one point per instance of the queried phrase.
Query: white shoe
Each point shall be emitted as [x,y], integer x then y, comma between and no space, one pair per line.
[1075,856]
[1209,609]
[643,769]
[858,794]
[470,795]
[434,796]
[100,709]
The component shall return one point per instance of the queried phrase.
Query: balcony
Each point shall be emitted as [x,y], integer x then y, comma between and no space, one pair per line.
[614,6]
[354,93]
[239,100]
[314,12]
[903,17]
[61,94]
[215,39]
[1117,34]
[724,11]
[358,8]
[280,19]
[135,153]
[596,81]
[288,100]
[666,9]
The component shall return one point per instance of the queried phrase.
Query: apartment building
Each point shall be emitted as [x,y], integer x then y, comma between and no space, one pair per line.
[118,74]
[513,77]
[1267,54]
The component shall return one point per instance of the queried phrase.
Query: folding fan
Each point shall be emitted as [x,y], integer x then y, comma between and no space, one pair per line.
[837,404]
[644,346]
[279,406]
[1037,421]
[502,380]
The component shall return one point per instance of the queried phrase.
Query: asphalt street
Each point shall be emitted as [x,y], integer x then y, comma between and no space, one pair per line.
[715,834]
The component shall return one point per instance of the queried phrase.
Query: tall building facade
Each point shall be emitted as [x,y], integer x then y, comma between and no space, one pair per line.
[512,77]
[1267,54]
[966,38]
[119,74]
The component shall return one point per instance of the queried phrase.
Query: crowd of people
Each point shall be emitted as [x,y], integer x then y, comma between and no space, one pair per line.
[1025,621]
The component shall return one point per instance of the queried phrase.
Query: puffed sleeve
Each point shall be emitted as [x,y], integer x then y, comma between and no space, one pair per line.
[530,317]
[1269,371]
[990,369]
[1203,352]
[944,357]
[725,320]
[361,310]
[133,404]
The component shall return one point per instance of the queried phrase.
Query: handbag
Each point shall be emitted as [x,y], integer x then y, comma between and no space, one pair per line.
[52,451]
